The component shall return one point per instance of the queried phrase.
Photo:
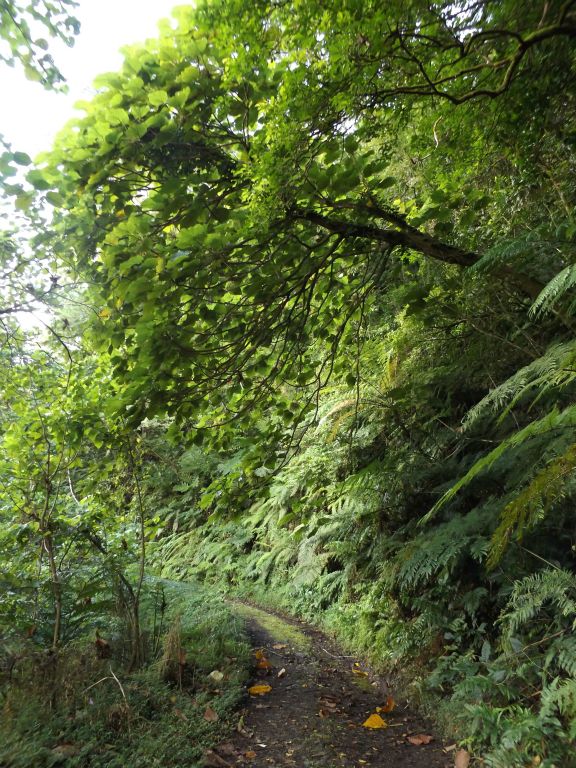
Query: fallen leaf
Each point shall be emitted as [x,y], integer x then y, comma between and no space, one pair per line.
[281,673]
[374,721]
[323,713]
[461,759]
[388,707]
[210,715]
[259,654]
[180,714]
[216,676]
[264,664]
[419,739]
[259,690]
[359,672]
[279,646]
[250,754]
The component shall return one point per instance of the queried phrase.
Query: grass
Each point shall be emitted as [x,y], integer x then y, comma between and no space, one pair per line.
[88,712]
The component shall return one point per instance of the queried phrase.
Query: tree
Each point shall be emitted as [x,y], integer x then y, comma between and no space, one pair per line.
[233,197]
[19,26]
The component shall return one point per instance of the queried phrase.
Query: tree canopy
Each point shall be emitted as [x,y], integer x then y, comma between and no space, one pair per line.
[235,196]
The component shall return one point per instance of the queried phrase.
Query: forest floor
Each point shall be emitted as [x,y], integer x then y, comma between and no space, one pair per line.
[313,716]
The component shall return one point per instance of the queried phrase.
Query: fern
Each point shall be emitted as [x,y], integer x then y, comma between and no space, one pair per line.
[556,368]
[554,587]
[532,503]
[564,657]
[435,555]
[555,420]
[535,245]
[554,291]
[559,697]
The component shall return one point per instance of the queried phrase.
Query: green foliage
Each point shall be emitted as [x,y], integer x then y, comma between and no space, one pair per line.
[518,699]
[98,720]
[20,26]
[327,352]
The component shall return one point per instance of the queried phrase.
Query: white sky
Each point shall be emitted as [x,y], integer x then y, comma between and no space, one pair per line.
[34,116]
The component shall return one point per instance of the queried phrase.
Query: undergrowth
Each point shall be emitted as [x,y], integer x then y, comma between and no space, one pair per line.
[75,709]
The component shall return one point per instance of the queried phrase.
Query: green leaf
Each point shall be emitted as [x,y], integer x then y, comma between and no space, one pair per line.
[21,158]
[158,98]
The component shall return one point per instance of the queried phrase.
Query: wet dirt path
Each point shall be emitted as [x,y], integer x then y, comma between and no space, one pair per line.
[314,713]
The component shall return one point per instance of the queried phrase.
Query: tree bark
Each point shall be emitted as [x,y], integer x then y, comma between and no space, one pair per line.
[421,242]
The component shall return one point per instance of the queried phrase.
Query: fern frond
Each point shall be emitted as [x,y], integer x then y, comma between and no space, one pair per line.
[552,587]
[555,291]
[551,421]
[531,504]
[559,697]
[556,368]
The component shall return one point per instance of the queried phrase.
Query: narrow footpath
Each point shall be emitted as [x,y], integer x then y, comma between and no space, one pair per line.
[311,706]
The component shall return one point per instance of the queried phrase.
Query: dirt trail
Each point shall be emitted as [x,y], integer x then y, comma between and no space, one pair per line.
[313,716]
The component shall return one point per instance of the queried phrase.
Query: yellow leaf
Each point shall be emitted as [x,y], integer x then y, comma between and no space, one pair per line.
[259,654]
[375,721]
[259,690]
[359,672]
[104,313]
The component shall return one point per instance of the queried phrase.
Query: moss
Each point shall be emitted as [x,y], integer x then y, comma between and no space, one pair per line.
[281,630]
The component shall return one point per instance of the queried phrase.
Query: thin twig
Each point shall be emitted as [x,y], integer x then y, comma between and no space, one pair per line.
[336,657]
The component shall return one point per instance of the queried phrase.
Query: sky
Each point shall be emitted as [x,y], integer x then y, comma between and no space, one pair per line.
[34,116]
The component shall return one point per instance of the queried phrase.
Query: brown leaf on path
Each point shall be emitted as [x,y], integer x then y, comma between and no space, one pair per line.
[420,738]
[259,654]
[279,646]
[264,664]
[250,754]
[259,690]
[210,715]
[462,759]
